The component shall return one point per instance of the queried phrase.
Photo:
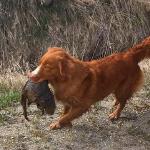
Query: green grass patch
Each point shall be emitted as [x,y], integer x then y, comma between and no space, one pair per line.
[8,97]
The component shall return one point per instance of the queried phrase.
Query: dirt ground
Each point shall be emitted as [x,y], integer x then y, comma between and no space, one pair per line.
[92,131]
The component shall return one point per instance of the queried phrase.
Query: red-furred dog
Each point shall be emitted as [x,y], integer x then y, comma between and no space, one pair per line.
[79,84]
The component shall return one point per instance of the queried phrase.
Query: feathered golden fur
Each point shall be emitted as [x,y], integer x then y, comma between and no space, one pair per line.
[79,84]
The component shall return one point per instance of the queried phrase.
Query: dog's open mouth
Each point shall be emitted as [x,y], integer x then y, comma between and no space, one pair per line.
[34,78]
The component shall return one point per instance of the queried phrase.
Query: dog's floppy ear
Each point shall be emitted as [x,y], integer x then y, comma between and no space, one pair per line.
[63,68]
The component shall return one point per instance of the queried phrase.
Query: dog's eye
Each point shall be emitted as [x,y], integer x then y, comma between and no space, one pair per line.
[48,67]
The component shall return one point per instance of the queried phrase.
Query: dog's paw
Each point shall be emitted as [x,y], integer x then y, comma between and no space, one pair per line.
[113,116]
[57,125]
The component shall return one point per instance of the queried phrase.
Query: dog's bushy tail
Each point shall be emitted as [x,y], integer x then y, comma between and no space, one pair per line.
[140,51]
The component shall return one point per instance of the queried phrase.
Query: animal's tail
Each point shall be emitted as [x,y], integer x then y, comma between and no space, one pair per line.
[140,51]
[24,106]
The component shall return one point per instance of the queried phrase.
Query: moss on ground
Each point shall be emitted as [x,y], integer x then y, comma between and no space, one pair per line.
[8,97]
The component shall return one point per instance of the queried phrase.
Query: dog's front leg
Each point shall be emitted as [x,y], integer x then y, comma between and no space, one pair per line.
[66,119]
[66,110]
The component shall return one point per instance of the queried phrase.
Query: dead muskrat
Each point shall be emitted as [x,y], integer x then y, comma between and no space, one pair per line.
[39,94]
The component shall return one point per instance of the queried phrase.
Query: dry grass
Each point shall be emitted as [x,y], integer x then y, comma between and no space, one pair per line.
[88,28]
[12,81]
[10,88]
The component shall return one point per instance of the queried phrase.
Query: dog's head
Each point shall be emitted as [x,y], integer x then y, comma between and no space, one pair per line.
[52,66]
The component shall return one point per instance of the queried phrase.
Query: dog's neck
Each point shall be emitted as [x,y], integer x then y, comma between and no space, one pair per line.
[63,89]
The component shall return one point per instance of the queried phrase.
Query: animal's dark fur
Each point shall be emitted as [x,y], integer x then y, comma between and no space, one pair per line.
[40,94]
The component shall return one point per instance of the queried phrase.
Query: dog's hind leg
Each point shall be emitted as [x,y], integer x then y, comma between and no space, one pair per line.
[116,102]
[124,92]
[115,114]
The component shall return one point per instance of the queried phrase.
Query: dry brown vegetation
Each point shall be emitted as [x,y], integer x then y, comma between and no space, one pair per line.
[88,28]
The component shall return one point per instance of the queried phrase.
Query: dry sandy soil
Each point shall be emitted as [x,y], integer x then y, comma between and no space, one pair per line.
[92,131]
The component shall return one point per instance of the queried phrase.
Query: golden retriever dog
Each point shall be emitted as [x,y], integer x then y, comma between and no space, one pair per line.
[80,84]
